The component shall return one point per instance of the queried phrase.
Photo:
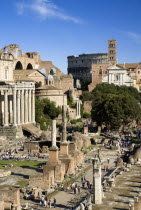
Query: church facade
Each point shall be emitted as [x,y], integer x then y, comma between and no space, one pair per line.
[117,75]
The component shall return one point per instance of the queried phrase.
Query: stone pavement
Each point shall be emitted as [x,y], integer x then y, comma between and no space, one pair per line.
[63,198]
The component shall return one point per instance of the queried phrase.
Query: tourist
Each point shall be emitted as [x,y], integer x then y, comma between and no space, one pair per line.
[45,203]
[54,202]
[78,189]
[83,184]
[104,168]
[67,188]
[49,203]
[43,199]
[90,186]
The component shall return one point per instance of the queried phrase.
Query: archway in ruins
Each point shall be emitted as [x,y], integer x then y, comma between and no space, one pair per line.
[18,66]
[52,71]
[29,66]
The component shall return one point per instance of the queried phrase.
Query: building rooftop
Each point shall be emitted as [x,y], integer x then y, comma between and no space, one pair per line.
[22,75]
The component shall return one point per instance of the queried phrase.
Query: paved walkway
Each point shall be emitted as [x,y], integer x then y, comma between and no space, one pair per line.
[63,198]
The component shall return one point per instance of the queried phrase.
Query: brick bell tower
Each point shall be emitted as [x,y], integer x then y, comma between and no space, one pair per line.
[112,58]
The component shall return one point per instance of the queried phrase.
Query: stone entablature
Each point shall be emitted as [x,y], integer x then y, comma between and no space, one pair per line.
[17,104]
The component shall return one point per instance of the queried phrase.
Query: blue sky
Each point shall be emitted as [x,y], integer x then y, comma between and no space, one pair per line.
[58,28]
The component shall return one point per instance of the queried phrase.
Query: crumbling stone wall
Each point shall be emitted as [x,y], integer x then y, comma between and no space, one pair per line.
[10,195]
[81,140]
[87,106]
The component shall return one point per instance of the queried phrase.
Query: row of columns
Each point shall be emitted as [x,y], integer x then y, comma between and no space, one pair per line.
[17,108]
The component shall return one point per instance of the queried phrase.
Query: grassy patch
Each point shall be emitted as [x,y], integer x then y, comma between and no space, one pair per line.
[32,164]
[88,148]
[22,183]
[136,141]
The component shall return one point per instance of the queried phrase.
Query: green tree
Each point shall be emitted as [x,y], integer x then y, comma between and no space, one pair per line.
[45,111]
[86,96]
[115,106]
[84,84]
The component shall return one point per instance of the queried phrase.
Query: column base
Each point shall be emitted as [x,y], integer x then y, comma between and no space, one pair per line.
[6,125]
[14,125]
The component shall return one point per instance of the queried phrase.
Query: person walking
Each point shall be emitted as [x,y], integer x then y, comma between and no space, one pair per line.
[45,203]
[78,189]
[49,203]
[54,202]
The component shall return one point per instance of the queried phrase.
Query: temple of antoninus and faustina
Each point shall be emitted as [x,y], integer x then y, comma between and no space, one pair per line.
[17,98]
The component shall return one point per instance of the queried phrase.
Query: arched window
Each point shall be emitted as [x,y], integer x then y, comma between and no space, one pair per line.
[52,71]
[6,50]
[18,66]
[29,66]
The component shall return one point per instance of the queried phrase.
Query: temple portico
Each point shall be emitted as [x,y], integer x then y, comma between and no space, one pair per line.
[17,104]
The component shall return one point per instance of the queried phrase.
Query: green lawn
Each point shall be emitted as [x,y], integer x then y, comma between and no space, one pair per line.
[33,164]
[22,183]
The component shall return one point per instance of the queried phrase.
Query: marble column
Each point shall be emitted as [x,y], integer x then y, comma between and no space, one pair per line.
[77,109]
[22,106]
[113,78]
[109,78]
[26,106]
[10,111]
[64,136]
[97,187]
[53,134]
[14,107]
[2,108]
[29,105]
[33,106]
[120,79]
[53,151]
[6,108]
[64,143]
[18,108]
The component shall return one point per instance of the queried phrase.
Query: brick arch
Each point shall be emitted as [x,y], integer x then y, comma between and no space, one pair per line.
[18,66]
[47,65]
[29,66]
[52,71]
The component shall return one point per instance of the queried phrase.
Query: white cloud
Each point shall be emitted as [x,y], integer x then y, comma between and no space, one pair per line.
[45,9]
[134,36]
